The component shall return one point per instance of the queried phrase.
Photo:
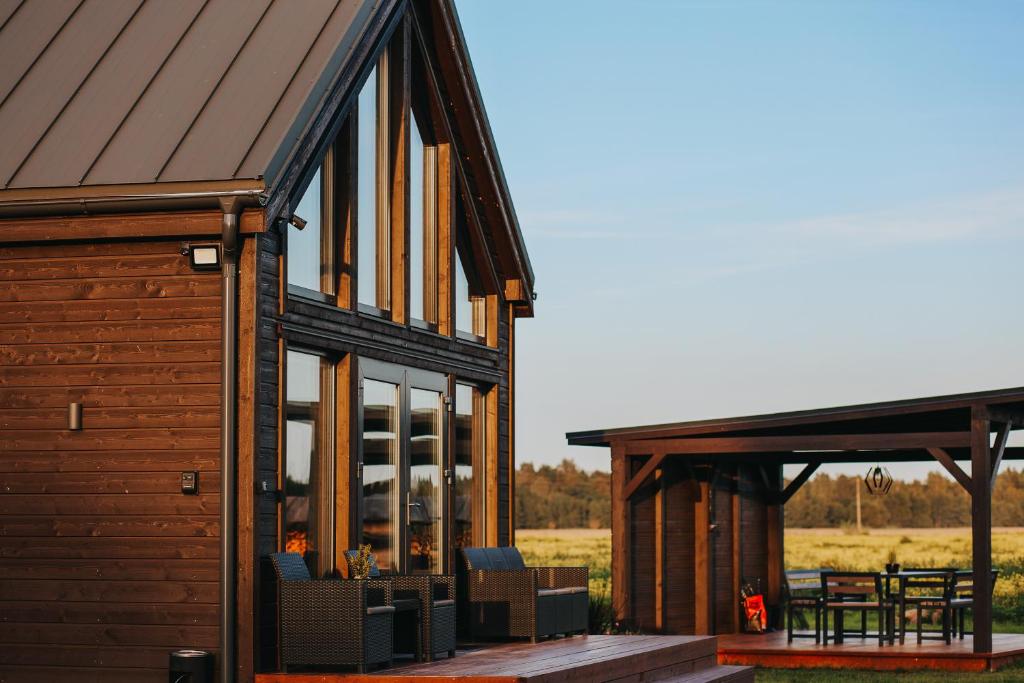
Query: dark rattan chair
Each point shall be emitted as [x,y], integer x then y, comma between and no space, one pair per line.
[329,622]
[435,596]
[500,597]
[926,592]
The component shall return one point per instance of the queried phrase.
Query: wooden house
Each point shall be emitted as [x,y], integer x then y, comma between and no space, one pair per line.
[259,278]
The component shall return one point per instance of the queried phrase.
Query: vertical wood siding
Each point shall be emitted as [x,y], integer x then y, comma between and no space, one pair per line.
[105,567]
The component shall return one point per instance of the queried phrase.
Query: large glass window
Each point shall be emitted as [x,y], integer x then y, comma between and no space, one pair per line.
[307,267]
[306,434]
[367,216]
[470,508]
[425,470]
[422,226]
[470,304]
[380,469]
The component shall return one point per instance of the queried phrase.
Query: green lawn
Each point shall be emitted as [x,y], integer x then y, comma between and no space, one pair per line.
[1012,673]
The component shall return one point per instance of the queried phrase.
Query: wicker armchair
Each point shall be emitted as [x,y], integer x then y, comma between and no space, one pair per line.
[500,597]
[435,595]
[329,622]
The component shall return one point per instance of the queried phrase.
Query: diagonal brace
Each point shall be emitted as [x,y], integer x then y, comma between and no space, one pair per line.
[641,476]
[998,449]
[946,460]
[799,481]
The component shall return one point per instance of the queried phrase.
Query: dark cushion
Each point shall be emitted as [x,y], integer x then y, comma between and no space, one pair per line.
[290,567]
[512,557]
[382,609]
[350,556]
[496,558]
[475,558]
[405,604]
[443,603]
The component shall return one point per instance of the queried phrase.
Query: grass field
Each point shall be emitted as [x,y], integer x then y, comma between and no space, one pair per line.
[811,548]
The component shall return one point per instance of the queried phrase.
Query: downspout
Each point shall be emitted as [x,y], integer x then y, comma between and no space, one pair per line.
[231,206]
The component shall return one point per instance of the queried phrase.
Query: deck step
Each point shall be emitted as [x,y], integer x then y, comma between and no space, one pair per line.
[720,673]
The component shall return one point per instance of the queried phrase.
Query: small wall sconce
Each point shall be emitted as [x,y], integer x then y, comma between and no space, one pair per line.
[204,256]
[75,417]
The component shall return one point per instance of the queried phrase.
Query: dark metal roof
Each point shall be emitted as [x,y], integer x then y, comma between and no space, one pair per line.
[121,92]
[935,413]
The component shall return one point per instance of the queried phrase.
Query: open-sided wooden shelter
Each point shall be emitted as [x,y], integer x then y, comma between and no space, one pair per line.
[188,380]
[698,507]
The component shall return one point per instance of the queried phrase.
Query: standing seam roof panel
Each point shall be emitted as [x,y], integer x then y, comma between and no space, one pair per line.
[329,57]
[76,139]
[178,93]
[7,9]
[249,90]
[26,35]
[52,80]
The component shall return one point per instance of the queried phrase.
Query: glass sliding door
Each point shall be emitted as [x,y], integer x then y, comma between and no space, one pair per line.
[380,469]
[404,489]
[425,468]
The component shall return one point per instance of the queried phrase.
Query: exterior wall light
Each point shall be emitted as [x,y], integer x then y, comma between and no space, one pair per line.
[204,256]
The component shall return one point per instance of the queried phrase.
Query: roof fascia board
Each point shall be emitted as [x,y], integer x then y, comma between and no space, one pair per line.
[603,437]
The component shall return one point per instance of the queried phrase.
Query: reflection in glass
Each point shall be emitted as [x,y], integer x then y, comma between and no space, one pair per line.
[425,481]
[416,221]
[302,462]
[469,441]
[304,262]
[380,458]
[366,218]
[470,307]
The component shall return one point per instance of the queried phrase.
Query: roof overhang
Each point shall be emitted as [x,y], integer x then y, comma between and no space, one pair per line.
[100,199]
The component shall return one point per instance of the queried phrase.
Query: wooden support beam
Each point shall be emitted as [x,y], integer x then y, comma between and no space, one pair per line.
[703,600]
[737,555]
[981,529]
[641,476]
[621,537]
[946,460]
[799,481]
[775,527]
[998,450]
[1007,415]
[830,442]
[659,551]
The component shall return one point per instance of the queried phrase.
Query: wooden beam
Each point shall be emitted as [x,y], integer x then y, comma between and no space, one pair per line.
[659,551]
[1006,414]
[737,555]
[981,530]
[702,597]
[946,460]
[799,481]
[621,537]
[834,442]
[641,476]
[998,449]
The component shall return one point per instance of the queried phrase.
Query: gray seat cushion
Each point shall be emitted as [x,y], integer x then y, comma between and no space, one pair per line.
[443,603]
[381,609]
[555,591]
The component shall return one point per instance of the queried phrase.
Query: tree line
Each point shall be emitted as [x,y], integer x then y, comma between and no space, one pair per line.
[564,497]
[936,501]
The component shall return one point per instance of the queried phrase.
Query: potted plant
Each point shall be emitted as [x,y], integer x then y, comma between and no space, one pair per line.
[892,566]
[360,565]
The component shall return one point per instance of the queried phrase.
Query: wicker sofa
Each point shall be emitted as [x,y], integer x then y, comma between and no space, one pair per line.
[330,622]
[500,597]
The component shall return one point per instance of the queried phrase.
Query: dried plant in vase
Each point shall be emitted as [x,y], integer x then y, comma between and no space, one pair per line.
[361,563]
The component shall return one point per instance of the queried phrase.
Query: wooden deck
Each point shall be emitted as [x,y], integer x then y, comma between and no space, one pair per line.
[772,650]
[583,658]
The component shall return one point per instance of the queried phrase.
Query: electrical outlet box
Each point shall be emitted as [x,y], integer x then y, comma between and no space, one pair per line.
[190,483]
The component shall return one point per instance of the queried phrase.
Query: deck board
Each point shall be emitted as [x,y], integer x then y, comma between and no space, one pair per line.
[583,658]
[771,650]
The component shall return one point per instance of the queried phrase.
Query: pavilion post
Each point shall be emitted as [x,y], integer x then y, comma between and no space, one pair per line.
[621,538]
[981,528]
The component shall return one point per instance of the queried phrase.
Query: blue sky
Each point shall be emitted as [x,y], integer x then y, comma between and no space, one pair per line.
[735,208]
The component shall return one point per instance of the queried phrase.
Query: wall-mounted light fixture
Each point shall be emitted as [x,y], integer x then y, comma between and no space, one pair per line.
[75,416]
[204,256]
[298,221]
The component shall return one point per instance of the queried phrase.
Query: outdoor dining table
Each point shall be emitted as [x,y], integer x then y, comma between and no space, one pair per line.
[899,598]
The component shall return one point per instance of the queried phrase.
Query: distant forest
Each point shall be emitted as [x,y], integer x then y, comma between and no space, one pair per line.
[566,497]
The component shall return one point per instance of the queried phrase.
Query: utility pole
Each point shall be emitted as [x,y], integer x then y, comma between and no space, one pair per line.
[858,507]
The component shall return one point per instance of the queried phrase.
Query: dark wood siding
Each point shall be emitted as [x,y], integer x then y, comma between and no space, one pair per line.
[641,570]
[722,569]
[105,567]
[679,557]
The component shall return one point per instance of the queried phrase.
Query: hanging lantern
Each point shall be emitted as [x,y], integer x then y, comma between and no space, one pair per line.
[878,481]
